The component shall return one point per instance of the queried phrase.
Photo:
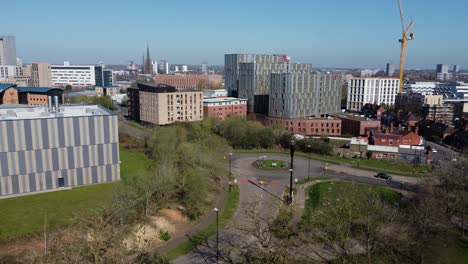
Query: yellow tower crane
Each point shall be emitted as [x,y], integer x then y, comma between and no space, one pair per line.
[404,40]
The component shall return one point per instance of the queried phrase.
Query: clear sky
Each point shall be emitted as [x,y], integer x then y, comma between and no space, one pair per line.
[327,33]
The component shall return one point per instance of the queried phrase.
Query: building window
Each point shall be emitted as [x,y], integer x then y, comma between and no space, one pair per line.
[390,141]
[405,141]
[61,182]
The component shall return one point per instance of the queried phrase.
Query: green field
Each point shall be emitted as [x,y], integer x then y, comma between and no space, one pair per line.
[268,164]
[326,192]
[24,216]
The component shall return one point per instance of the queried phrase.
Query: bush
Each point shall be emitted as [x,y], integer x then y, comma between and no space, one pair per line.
[164,235]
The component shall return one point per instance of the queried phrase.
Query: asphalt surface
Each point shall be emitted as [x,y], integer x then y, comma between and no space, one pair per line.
[266,203]
[443,154]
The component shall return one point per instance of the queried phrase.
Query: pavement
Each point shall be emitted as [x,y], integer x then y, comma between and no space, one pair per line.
[266,203]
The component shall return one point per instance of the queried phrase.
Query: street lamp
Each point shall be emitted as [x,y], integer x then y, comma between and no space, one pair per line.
[308,169]
[291,149]
[217,234]
[230,155]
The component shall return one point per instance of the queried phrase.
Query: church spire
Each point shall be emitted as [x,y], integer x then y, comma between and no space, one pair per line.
[148,65]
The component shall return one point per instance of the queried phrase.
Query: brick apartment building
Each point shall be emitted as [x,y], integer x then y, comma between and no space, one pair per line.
[357,125]
[162,104]
[222,107]
[190,82]
[316,126]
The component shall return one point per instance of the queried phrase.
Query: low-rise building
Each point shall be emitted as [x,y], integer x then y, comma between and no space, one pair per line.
[215,93]
[56,147]
[107,91]
[308,126]
[38,95]
[222,107]
[357,125]
[8,94]
[190,82]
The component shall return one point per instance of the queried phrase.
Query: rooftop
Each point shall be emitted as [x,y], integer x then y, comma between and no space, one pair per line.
[21,112]
[221,99]
[4,86]
[37,89]
[354,117]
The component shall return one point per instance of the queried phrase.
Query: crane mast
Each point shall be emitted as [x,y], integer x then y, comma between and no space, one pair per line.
[404,40]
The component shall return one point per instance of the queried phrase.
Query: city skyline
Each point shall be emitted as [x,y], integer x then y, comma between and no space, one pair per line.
[362,34]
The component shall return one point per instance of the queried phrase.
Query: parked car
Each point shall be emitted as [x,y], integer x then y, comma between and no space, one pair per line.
[434,150]
[383,176]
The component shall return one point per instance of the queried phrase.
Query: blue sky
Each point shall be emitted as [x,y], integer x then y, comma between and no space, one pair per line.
[327,33]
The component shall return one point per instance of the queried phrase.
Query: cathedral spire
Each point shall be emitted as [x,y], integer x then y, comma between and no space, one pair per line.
[148,65]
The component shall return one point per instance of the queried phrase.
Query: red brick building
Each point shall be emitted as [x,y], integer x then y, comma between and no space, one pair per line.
[357,125]
[222,107]
[395,138]
[190,82]
[307,126]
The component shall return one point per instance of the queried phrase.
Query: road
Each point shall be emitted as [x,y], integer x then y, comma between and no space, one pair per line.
[266,204]
[443,153]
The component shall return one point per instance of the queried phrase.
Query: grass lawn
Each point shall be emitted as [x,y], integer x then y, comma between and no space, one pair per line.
[398,168]
[225,215]
[24,216]
[449,251]
[268,164]
[327,192]
[302,181]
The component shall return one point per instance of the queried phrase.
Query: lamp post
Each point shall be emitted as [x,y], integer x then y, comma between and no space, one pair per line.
[291,149]
[217,234]
[230,155]
[308,169]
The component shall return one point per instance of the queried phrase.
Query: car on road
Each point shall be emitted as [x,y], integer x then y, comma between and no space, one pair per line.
[383,176]
[434,150]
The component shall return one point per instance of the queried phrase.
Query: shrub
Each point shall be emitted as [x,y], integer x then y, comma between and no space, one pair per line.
[164,235]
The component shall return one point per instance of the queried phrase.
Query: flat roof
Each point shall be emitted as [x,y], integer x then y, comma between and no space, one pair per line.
[16,112]
[354,117]
[221,99]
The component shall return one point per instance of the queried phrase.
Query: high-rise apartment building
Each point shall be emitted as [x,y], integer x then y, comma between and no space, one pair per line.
[51,148]
[248,76]
[390,70]
[8,50]
[442,72]
[363,91]
[41,74]
[299,95]
[456,68]
[108,78]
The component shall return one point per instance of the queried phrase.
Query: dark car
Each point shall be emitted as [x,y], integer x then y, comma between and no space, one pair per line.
[383,176]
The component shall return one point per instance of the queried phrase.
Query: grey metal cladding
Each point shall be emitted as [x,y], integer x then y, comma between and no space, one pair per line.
[92,131]
[48,178]
[109,173]
[14,184]
[94,172]
[10,136]
[28,134]
[3,164]
[45,134]
[85,156]
[32,182]
[79,176]
[64,175]
[22,162]
[115,153]
[76,131]
[61,132]
[100,154]
[38,156]
[55,159]
[71,158]
[106,120]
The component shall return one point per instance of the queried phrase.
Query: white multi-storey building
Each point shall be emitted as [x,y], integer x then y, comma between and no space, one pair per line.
[10,71]
[362,91]
[424,88]
[75,75]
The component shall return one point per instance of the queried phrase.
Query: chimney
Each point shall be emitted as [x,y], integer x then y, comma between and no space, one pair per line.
[49,103]
[416,130]
[56,103]
[386,131]
[399,127]
[391,127]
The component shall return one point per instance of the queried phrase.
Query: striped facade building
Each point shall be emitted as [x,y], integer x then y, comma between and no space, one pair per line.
[49,148]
